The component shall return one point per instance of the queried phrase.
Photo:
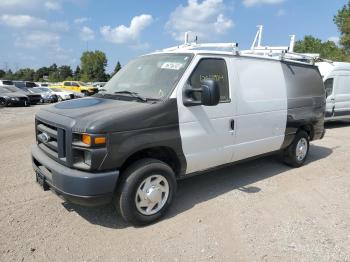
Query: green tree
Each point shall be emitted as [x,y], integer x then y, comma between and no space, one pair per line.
[9,75]
[327,50]
[76,74]
[342,20]
[40,73]
[117,68]
[25,74]
[2,73]
[93,66]
[65,72]
[54,75]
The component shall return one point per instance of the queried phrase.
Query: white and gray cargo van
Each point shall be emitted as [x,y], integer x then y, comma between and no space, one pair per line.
[172,114]
[336,76]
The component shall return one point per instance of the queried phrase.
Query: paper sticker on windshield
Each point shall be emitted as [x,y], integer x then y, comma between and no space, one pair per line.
[170,65]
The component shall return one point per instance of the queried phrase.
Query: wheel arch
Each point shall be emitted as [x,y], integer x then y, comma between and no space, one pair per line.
[309,129]
[162,153]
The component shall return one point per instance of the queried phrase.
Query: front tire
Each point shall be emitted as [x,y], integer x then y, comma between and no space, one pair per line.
[145,192]
[3,102]
[296,153]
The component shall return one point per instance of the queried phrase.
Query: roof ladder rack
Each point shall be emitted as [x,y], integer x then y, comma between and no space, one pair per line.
[194,45]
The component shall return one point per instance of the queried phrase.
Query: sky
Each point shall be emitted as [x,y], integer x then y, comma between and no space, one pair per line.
[36,33]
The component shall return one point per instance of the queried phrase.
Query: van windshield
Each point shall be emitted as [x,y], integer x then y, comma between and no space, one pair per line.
[150,76]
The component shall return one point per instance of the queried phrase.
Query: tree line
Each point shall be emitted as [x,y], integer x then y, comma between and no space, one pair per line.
[329,49]
[92,69]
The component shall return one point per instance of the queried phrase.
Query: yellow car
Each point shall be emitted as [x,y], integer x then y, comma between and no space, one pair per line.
[77,86]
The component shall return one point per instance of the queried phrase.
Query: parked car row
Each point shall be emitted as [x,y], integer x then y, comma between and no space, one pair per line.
[77,86]
[9,97]
[25,93]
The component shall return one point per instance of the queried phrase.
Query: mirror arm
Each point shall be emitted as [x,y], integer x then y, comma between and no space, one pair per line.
[187,101]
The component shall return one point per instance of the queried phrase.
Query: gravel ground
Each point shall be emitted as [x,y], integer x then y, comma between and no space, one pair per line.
[255,211]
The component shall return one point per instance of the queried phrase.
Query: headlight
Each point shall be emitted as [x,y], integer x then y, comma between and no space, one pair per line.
[14,99]
[93,140]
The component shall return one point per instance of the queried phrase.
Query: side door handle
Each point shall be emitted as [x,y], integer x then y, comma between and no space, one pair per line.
[232,124]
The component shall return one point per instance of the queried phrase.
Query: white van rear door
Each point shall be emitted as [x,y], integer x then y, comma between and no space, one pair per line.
[342,95]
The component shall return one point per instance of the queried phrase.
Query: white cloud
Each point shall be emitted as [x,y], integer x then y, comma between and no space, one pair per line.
[81,20]
[122,34]
[22,21]
[250,3]
[334,39]
[205,19]
[20,6]
[87,34]
[31,22]
[53,5]
[38,39]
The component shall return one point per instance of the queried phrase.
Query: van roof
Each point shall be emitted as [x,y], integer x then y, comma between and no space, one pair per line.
[228,53]
[328,67]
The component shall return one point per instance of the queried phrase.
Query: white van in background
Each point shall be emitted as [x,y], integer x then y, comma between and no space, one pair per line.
[336,77]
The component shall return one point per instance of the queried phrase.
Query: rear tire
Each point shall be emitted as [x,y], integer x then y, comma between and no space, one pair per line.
[145,191]
[296,153]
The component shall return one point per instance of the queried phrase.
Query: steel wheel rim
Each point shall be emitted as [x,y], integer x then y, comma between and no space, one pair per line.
[301,149]
[152,194]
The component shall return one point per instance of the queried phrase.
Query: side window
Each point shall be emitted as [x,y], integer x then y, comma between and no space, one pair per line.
[211,68]
[30,84]
[75,84]
[329,86]
[66,84]
[343,85]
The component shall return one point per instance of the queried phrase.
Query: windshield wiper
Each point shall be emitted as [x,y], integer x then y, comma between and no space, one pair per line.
[134,94]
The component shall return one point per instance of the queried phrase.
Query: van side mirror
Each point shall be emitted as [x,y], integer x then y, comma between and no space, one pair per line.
[208,94]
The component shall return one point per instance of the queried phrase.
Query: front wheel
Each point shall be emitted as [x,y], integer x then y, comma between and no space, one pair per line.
[145,192]
[3,102]
[296,153]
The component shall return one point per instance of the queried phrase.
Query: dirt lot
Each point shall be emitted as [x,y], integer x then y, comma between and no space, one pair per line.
[260,210]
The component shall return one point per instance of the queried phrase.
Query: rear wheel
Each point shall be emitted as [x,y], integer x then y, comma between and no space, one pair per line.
[145,192]
[296,153]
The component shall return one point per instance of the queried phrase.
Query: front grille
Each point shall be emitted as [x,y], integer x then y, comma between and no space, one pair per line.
[34,98]
[51,140]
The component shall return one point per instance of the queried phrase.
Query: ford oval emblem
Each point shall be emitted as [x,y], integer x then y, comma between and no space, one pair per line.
[44,137]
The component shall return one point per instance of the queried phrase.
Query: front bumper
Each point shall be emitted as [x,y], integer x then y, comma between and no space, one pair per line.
[80,187]
[92,91]
[18,102]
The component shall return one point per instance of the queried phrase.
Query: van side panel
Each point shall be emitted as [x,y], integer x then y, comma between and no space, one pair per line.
[306,100]
[261,101]
[342,94]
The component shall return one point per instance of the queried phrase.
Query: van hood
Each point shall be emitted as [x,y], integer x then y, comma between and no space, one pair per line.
[101,115]
[13,94]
